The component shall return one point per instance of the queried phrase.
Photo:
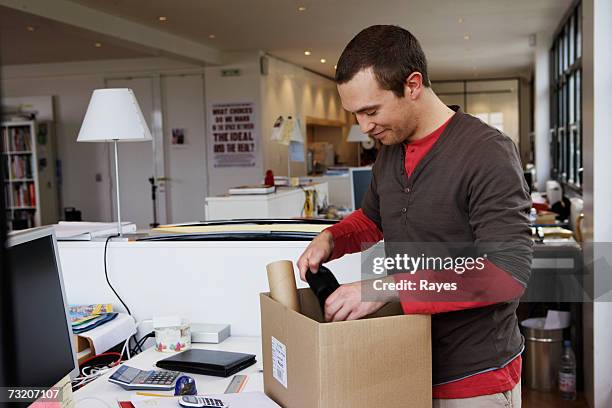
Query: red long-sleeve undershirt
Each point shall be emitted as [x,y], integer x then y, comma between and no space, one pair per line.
[358,230]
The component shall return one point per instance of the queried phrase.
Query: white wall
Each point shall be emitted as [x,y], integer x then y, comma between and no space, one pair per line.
[79,163]
[597,191]
[289,90]
[243,88]
[542,109]
[71,85]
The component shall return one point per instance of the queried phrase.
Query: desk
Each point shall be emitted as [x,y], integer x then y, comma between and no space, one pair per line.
[100,390]
[286,202]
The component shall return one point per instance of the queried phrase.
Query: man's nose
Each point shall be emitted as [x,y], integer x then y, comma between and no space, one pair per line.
[365,125]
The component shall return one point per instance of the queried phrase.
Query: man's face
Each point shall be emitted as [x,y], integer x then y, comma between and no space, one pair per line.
[380,113]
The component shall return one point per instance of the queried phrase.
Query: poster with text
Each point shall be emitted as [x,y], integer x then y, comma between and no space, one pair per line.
[233,136]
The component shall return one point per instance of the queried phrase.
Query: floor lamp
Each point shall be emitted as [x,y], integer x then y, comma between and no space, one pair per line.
[113,115]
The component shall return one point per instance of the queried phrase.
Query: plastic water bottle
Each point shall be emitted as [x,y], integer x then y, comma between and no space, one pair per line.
[533,215]
[567,372]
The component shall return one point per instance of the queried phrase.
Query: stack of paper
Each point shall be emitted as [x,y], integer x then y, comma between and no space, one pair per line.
[86,231]
[81,313]
[92,323]
[87,317]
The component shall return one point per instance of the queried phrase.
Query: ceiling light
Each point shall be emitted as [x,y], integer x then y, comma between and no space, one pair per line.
[460,20]
[162,18]
[323,60]
[302,8]
[335,67]
[212,36]
[98,45]
[466,37]
[306,52]
[30,28]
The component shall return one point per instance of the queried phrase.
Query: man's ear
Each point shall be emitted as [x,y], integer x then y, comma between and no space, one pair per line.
[413,85]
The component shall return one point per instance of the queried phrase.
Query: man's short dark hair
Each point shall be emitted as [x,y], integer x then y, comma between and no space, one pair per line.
[392,52]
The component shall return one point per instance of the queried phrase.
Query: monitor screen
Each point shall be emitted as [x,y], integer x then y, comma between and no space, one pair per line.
[360,182]
[41,338]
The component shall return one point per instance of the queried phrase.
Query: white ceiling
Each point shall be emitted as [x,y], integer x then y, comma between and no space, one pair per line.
[498,30]
[52,41]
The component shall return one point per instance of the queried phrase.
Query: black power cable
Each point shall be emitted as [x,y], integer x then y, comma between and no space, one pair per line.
[106,274]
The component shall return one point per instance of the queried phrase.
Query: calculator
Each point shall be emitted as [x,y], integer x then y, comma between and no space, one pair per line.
[132,378]
[201,402]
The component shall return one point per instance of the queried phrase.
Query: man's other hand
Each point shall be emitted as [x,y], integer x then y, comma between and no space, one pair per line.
[317,252]
[346,304]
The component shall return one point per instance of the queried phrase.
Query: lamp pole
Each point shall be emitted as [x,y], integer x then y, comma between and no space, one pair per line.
[117,186]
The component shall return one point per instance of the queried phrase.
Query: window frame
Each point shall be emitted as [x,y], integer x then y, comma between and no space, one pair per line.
[565,134]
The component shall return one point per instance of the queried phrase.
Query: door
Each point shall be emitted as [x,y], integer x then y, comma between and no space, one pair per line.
[185,147]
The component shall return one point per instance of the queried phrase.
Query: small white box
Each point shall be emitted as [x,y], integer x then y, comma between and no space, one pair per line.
[209,333]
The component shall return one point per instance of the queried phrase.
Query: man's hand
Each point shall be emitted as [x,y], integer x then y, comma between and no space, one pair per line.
[345,304]
[317,252]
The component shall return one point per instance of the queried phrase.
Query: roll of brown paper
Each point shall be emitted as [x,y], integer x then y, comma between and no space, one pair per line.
[282,284]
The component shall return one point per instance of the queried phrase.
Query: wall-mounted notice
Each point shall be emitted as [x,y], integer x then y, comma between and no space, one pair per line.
[233,137]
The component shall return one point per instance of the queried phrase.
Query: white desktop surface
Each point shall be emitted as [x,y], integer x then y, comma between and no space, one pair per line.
[101,389]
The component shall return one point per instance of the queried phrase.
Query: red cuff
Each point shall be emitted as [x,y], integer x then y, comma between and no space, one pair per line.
[352,233]
[474,288]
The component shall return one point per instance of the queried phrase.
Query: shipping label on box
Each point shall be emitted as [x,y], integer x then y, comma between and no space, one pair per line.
[279,361]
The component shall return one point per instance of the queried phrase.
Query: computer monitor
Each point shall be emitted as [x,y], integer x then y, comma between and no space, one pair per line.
[360,182]
[40,341]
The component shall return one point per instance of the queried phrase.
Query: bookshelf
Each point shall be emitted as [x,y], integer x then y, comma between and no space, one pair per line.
[23,169]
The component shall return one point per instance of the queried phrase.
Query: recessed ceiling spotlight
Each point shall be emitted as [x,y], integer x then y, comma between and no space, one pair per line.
[162,18]
[460,20]
[306,52]
[335,67]
[97,45]
[212,36]
[323,60]
[466,37]
[31,28]
[302,8]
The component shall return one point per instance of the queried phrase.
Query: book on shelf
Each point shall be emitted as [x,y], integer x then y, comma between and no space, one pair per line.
[24,195]
[21,167]
[252,189]
[17,138]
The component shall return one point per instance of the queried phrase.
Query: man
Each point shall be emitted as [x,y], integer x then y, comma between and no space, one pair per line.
[441,176]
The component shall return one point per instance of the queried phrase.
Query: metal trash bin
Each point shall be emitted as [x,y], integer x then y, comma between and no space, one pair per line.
[543,349]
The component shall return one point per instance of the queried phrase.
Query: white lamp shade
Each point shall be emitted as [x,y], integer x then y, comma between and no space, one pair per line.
[356,135]
[114,114]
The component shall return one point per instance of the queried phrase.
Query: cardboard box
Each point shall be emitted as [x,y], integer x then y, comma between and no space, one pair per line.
[84,348]
[373,362]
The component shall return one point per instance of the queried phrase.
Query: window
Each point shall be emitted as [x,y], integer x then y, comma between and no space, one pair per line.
[566,104]
[495,102]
